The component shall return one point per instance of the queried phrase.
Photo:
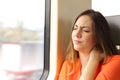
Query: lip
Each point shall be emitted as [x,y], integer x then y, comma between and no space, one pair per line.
[77,41]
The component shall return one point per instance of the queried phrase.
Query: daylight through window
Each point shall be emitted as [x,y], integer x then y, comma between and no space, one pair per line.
[21,39]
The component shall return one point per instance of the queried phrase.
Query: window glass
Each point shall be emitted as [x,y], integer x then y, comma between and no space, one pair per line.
[21,39]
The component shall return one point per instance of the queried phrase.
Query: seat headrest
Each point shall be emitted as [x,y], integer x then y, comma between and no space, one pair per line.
[114,23]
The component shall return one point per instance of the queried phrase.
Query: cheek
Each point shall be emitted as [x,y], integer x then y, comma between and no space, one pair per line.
[90,40]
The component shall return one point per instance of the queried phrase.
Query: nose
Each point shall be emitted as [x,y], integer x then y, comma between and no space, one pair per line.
[79,33]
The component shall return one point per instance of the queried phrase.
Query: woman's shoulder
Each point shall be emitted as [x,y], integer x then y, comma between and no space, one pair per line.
[69,64]
[114,59]
[110,70]
[115,56]
[112,62]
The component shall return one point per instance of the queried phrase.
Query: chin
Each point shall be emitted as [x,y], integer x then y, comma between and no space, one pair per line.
[78,48]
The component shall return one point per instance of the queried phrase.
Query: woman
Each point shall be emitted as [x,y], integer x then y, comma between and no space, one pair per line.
[91,54]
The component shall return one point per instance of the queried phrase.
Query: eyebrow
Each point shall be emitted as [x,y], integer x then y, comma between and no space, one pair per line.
[82,26]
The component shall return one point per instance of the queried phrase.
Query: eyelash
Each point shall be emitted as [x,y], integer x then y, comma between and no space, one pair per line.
[84,30]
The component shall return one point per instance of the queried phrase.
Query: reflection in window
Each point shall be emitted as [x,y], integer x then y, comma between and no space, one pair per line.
[21,39]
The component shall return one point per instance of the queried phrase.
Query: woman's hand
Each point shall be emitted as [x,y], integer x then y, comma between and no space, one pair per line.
[96,55]
[95,58]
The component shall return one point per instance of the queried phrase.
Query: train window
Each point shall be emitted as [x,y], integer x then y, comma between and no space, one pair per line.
[24,39]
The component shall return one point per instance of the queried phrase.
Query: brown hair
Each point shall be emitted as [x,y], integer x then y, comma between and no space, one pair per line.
[101,32]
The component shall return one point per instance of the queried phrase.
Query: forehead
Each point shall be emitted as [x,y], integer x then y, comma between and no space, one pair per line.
[84,20]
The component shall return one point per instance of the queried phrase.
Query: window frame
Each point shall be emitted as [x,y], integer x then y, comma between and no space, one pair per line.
[46,40]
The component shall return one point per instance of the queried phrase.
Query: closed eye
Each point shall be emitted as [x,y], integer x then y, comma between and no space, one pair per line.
[85,29]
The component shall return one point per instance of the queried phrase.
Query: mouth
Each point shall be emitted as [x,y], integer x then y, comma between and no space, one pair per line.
[77,41]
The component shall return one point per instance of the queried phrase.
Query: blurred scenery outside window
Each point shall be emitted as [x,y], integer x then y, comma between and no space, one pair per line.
[21,39]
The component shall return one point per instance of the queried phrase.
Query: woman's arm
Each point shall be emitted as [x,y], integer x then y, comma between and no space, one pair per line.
[94,60]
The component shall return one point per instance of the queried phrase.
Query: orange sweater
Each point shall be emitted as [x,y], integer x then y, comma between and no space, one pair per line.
[110,70]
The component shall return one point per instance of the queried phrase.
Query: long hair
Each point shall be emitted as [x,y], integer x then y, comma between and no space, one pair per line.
[101,34]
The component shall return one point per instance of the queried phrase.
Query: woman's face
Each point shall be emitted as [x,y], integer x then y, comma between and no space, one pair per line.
[82,34]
